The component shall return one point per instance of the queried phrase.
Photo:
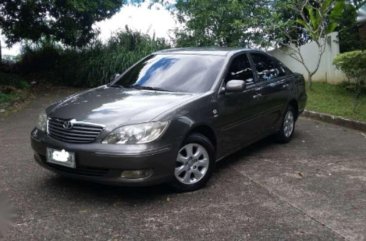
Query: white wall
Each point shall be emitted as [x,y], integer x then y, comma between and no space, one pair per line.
[327,71]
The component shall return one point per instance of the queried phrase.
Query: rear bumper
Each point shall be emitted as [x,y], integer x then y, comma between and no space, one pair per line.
[104,163]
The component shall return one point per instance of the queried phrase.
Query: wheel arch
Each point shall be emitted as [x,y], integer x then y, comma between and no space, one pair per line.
[206,131]
[295,105]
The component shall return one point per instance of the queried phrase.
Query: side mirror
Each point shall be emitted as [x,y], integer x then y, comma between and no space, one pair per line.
[235,85]
[116,76]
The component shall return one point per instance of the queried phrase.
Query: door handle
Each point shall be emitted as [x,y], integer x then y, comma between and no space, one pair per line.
[257,96]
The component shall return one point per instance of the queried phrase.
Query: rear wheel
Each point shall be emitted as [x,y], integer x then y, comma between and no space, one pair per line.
[194,163]
[287,129]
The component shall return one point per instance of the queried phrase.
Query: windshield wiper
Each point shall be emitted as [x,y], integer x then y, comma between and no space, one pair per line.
[140,87]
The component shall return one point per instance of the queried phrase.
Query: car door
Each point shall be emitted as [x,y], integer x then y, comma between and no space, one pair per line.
[273,85]
[238,111]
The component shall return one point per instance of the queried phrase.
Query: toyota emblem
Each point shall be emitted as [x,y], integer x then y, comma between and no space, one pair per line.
[67,125]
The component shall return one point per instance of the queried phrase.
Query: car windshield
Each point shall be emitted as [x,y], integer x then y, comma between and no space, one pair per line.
[175,73]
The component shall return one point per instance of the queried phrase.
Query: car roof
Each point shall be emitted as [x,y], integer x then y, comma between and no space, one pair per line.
[203,51]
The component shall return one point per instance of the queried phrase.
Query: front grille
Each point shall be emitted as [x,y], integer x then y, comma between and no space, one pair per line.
[79,132]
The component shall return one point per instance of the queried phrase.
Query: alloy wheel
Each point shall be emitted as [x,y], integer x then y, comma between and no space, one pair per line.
[192,163]
[288,124]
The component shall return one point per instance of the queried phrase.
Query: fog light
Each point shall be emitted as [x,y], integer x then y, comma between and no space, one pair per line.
[136,174]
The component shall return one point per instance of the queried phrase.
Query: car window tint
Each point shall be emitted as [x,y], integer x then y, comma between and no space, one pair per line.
[176,73]
[240,69]
[266,67]
[283,68]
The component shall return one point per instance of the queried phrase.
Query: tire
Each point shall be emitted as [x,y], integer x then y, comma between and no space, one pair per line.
[284,135]
[192,171]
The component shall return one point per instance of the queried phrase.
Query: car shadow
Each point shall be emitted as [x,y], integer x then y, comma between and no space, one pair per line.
[98,191]
[241,154]
[254,149]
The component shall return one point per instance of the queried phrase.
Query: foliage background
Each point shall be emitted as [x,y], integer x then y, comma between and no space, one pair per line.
[67,21]
[90,66]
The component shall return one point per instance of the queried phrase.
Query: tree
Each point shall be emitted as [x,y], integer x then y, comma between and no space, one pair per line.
[349,37]
[262,23]
[225,23]
[67,21]
[310,21]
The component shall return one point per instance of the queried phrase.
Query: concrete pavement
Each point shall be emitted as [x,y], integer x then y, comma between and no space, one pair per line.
[313,188]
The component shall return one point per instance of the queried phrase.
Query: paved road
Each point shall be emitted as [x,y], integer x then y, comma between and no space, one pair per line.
[311,189]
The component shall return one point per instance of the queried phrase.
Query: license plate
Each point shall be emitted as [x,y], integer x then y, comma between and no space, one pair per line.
[61,157]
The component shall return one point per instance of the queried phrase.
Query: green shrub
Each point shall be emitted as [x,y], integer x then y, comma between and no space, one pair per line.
[6,98]
[15,80]
[353,64]
[90,66]
[39,58]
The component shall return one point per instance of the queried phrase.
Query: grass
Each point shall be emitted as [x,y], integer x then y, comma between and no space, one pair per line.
[13,101]
[14,80]
[7,98]
[336,100]
[13,89]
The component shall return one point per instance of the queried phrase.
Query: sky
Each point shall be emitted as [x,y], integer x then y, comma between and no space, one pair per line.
[144,18]
[361,14]
[151,20]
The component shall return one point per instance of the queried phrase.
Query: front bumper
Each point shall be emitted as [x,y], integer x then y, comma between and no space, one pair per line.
[104,163]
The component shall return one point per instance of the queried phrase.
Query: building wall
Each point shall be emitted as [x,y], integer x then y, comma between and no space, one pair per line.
[327,71]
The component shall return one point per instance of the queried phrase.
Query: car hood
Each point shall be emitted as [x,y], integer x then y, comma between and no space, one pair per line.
[113,106]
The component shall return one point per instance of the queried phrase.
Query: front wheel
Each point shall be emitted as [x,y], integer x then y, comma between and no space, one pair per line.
[194,163]
[286,132]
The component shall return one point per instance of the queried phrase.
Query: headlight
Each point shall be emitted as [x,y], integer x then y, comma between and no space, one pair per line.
[136,134]
[42,121]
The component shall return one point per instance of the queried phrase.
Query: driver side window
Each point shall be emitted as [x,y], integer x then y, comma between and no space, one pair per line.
[240,69]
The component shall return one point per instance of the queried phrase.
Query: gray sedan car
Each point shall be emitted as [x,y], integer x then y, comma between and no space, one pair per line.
[170,117]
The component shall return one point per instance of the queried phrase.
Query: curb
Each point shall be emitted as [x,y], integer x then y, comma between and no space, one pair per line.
[337,120]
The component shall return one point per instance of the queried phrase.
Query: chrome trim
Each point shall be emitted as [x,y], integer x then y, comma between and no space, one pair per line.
[81,132]
[47,130]
[74,121]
